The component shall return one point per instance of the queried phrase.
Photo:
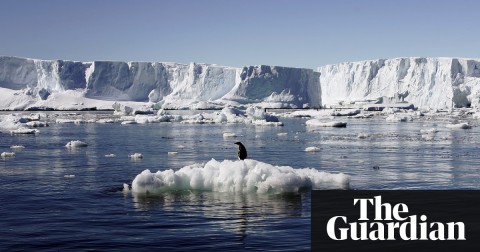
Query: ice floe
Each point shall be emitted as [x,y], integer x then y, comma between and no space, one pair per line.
[7,154]
[237,176]
[312,149]
[75,144]
[136,156]
[320,123]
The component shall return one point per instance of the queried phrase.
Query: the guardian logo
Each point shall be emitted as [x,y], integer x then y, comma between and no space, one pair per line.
[391,223]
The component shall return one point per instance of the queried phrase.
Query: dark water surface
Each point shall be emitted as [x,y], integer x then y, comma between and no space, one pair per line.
[57,199]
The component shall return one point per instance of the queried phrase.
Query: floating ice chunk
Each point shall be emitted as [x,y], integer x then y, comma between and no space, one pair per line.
[136,156]
[312,149]
[429,131]
[121,109]
[75,144]
[7,154]
[428,137]
[389,110]
[349,112]
[37,124]
[282,134]
[464,125]
[229,134]
[106,121]
[110,155]
[129,122]
[62,120]
[362,135]
[255,113]
[126,188]
[17,147]
[237,176]
[69,176]
[22,131]
[172,153]
[265,123]
[318,123]
[397,118]
[32,117]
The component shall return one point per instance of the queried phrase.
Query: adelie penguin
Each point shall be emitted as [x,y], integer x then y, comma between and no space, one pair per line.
[242,152]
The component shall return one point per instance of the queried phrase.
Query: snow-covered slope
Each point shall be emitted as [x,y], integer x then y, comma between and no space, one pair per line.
[425,82]
[172,85]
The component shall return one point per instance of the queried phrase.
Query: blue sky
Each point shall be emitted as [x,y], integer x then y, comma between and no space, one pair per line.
[296,33]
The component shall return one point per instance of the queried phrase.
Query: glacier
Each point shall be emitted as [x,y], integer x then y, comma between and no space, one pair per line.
[425,82]
[26,83]
[435,83]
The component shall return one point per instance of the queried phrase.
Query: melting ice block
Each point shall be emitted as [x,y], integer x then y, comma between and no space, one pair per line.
[75,144]
[237,176]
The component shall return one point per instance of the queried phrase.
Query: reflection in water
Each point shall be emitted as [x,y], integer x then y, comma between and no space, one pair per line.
[238,213]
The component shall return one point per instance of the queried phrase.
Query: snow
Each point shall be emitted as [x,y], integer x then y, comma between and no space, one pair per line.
[75,144]
[319,123]
[237,176]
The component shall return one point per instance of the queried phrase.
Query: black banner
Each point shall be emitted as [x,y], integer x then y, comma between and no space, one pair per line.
[395,220]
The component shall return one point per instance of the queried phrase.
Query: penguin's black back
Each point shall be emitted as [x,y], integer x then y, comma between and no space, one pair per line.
[242,151]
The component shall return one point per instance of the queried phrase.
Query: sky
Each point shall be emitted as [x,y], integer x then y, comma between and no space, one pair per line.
[294,33]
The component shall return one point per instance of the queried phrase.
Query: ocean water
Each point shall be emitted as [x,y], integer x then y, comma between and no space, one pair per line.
[55,198]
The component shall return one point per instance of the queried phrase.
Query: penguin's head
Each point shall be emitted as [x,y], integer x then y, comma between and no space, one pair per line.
[238,143]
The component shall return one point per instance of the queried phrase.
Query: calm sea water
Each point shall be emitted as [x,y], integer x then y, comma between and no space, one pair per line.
[53,198]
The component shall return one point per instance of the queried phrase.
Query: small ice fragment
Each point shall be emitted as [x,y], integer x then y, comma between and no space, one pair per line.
[282,134]
[24,131]
[181,146]
[35,124]
[76,143]
[312,149]
[429,131]
[17,147]
[126,188]
[69,176]
[136,156]
[172,153]
[7,154]
[229,134]
[110,155]
[316,122]
[362,135]
[459,126]
[128,122]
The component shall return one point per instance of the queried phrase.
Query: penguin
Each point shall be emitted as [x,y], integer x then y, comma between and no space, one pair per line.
[242,152]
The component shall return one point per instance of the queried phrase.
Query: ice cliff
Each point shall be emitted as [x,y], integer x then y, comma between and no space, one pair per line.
[424,82]
[170,84]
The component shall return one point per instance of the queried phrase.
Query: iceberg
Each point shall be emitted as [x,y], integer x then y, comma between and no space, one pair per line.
[237,176]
